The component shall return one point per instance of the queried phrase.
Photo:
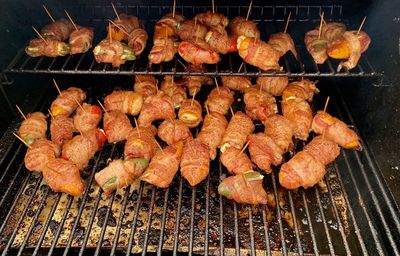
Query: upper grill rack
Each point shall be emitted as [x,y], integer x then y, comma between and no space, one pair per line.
[270,19]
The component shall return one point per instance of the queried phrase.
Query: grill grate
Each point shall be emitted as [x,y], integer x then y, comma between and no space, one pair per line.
[270,19]
[338,216]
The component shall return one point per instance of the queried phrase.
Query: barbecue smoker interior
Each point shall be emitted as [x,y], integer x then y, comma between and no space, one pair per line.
[351,210]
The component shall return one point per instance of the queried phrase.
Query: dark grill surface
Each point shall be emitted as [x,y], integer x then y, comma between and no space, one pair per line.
[349,212]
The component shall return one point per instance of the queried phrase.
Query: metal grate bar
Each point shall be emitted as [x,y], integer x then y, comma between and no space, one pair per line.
[103,228]
[178,217]
[146,235]
[311,229]
[266,225]
[236,230]
[221,216]
[321,211]
[251,230]
[192,213]
[13,181]
[296,228]
[164,215]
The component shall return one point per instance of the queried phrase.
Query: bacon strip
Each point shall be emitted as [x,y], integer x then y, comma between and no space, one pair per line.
[236,162]
[113,52]
[220,100]
[81,40]
[145,85]
[66,102]
[239,127]
[49,48]
[116,126]
[245,188]
[335,130]
[241,27]
[87,117]
[163,166]
[60,30]
[40,152]
[156,107]
[316,46]
[190,30]
[304,89]
[63,176]
[282,42]
[280,130]
[62,129]
[212,131]
[264,151]
[140,143]
[299,112]
[237,83]
[173,90]
[127,102]
[173,130]
[214,20]
[195,163]
[197,52]
[34,127]
[190,113]
[221,42]
[259,105]
[273,85]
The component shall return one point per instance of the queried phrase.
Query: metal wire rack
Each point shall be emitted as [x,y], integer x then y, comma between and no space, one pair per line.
[270,19]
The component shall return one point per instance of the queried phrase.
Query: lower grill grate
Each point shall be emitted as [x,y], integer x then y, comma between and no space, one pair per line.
[349,212]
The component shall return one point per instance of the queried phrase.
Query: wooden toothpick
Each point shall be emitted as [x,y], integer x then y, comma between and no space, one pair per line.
[213,8]
[320,25]
[216,84]
[194,94]
[287,22]
[48,13]
[173,9]
[102,107]
[20,111]
[159,146]
[244,148]
[56,85]
[40,35]
[362,24]
[119,27]
[249,10]
[80,105]
[115,10]
[207,109]
[232,111]
[109,30]
[26,144]
[326,104]
[137,126]
[51,114]
[241,65]
[70,19]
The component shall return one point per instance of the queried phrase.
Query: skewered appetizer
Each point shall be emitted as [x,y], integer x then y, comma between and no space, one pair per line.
[239,127]
[87,117]
[173,90]
[307,167]
[39,154]
[244,188]
[194,83]
[335,130]
[303,89]
[236,83]
[83,147]
[299,112]
[274,85]
[81,39]
[140,144]
[119,174]
[116,126]
[145,85]
[121,27]
[280,130]
[259,104]
[127,102]
[156,107]
[62,129]
[34,127]
[219,100]
[236,161]
[49,47]
[283,43]
[67,102]
[241,27]
[264,151]
[173,130]
[191,30]
[221,42]
[114,52]
[163,166]
[63,176]
[254,52]
[212,131]
[198,52]
[214,20]
[190,113]
[59,30]
[195,162]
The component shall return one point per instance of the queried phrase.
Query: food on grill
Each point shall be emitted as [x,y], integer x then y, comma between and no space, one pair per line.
[299,112]
[83,147]
[264,151]
[246,188]
[235,161]
[120,173]
[128,102]
[258,53]
[195,162]
[190,113]
[163,166]
[116,126]
[335,130]
[173,90]
[197,52]
[350,46]
[332,30]
[221,42]
[67,102]
[34,127]
[283,43]
[191,30]
[307,167]
[211,132]
[273,85]
[220,100]
[241,27]
[40,152]
[237,83]
[59,30]
[194,83]
[280,130]
[87,117]
[239,127]
[62,129]
[63,176]
[156,107]
[213,20]
[49,47]
[140,143]
[165,39]
[259,104]
[114,52]
[173,130]
[121,26]
[146,85]
[81,40]
[304,89]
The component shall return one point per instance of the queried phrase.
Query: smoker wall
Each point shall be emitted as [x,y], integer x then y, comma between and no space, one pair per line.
[374,103]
